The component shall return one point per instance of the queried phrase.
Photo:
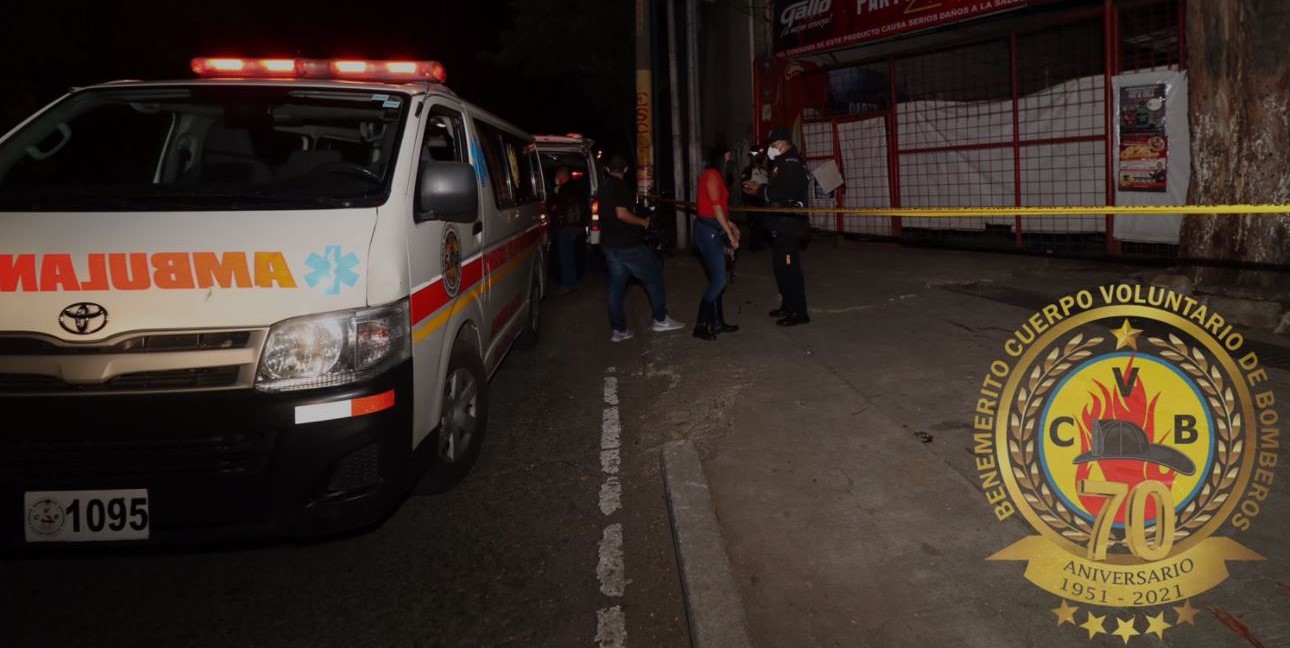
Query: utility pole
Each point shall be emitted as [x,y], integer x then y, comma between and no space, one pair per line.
[692,83]
[678,137]
[644,101]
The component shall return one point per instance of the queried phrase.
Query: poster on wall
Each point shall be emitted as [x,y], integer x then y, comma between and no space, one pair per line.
[1152,148]
[1144,141]
[1144,163]
[1142,109]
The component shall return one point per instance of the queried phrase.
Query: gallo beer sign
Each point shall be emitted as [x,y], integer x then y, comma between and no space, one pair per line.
[803,26]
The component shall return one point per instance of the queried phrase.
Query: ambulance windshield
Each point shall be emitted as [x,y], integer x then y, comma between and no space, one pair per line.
[216,147]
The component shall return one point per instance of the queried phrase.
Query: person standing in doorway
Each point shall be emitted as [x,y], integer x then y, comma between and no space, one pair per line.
[788,188]
[567,216]
[622,239]
[714,234]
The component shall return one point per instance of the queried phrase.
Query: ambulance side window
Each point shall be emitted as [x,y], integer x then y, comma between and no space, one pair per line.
[443,137]
[490,140]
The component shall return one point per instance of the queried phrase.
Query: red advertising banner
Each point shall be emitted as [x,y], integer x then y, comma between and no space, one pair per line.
[803,26]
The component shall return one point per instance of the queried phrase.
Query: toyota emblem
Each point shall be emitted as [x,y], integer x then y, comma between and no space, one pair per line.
[84,318]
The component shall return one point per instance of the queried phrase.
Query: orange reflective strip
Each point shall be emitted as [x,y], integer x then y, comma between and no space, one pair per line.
[371,404]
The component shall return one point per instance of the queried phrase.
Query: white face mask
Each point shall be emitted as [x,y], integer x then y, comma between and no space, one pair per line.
[772,153]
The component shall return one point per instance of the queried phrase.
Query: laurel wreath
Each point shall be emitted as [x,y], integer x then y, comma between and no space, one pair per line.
[1228,443]
[1022,445]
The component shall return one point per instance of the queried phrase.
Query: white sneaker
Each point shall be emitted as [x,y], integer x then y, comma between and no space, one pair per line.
[666,324]
[620,336]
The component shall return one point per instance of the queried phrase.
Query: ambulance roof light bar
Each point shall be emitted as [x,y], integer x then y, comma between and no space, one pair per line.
[348,69]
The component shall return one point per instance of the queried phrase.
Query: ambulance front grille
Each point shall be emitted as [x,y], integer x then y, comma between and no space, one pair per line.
[150,343]
[168,380]
[224,454]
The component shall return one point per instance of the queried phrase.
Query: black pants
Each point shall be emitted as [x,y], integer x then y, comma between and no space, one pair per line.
[758,234]
[786,259]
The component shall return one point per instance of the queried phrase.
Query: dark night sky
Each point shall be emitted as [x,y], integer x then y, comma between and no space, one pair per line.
[53,44]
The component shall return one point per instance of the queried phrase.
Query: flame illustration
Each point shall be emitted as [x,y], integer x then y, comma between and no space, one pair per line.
[1137,409]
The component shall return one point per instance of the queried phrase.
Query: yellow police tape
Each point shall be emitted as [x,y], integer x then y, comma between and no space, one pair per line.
[966,212]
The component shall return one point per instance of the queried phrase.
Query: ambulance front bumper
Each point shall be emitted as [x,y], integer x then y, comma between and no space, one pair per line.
[215,466]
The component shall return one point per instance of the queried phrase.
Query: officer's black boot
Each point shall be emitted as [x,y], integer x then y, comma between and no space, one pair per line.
[720,325]
[705,322]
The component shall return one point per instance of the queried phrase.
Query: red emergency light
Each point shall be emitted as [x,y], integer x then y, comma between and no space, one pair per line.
[244,67]
[355,69]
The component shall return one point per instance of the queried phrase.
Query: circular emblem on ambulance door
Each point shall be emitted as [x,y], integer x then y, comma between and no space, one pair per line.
[451,258]
[83,318]
[46,517]
[1128,425]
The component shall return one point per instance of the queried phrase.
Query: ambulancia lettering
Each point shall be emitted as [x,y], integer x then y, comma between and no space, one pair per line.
[144,271]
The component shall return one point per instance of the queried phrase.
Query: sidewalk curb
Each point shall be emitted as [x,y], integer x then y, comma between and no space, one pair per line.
[712,603]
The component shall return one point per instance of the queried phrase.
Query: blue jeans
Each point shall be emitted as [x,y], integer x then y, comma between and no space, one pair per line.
[566,243]
[709,239]
[625,263]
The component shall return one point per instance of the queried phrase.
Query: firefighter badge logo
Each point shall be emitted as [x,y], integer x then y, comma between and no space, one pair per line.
[1137,434]
[450,250]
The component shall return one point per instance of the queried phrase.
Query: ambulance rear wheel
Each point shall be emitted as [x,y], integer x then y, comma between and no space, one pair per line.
[462,420]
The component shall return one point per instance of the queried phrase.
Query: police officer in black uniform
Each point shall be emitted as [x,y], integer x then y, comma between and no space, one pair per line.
[788,187]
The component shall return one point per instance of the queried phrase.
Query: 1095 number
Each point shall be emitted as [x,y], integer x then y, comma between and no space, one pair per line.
[87,516]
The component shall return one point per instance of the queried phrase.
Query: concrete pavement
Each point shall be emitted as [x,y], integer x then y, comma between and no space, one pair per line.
[839,456]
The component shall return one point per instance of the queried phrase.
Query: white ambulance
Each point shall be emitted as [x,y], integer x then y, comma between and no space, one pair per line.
[266,301]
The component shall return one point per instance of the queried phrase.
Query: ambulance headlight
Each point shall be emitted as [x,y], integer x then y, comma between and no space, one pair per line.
[334,349]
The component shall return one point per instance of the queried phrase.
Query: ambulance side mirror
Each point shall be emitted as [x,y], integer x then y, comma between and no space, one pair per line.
[447,191]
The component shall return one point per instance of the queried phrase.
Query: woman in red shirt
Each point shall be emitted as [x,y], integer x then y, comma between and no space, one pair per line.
[713,233]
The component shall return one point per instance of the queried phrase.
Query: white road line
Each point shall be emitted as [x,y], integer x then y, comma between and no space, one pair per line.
[610,428]
[610,461]
[611,495]
[611,628]
[611,622]
[610,567]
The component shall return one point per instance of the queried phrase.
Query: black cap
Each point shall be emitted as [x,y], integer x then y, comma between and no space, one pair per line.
[617,162]
[779,133]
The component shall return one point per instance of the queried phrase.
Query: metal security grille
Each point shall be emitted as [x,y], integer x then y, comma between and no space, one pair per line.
[1019,119]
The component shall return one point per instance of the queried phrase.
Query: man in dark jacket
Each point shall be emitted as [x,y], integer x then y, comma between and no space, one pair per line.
[788,188]
[568,220]
[622,239]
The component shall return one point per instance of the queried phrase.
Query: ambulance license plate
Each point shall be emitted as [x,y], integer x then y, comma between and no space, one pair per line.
[86,516]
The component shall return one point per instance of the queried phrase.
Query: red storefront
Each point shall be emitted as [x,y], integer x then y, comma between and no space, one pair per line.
[987,104]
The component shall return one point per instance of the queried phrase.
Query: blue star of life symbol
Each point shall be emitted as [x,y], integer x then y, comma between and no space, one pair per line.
[331,269]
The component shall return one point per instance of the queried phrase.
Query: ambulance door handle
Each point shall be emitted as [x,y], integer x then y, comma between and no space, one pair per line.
[478,228]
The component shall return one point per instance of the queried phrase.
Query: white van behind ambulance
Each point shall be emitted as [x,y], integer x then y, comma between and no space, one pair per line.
[263,302]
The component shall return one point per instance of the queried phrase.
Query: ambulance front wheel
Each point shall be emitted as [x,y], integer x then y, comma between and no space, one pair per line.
[462,420]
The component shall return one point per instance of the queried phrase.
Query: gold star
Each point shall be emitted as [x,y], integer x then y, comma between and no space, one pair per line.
[1065,613]
[1094,625]
[1186,613]
[1126,336]
[1125,629]
[1157,625]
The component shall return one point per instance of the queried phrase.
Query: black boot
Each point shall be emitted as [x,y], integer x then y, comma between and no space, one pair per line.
[720,325]
[704,323]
